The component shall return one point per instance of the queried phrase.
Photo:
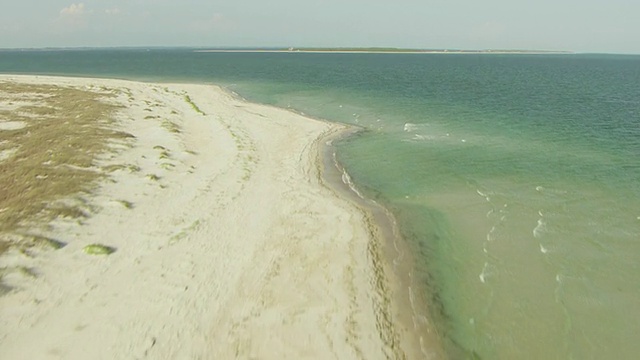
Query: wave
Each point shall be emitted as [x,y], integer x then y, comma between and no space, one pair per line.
[346,178]
[409,127]
[484,273]
[540,229]
[484,195]
[543,249]
[543,190]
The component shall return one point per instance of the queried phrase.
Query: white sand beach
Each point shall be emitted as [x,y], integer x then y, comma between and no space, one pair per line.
[228,244]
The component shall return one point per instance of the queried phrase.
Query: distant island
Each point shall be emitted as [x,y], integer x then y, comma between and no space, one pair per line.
[380,50]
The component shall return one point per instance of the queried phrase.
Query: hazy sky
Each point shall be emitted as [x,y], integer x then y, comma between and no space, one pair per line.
[578,25]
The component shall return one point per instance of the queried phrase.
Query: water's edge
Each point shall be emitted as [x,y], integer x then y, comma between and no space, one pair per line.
[417,332]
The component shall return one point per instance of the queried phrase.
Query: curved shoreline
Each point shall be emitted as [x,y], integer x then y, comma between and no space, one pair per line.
[393,262]
[390,254]
[194,220]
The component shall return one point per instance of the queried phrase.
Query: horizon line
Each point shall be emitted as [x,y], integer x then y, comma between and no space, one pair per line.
[319,49]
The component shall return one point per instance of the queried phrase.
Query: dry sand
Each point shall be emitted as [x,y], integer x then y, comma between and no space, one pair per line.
[228,244]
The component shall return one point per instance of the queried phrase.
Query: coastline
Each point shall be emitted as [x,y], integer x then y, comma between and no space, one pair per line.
[394,260]
[199,270]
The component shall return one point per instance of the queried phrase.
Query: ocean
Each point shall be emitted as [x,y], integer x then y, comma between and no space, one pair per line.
[514,179]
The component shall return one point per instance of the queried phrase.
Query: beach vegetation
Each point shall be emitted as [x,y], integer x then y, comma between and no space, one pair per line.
[126,204]
[117,167]
[4,246]
[113,167]
[22,270]
[67,211]
[27,271]
[98,249]
[184,232]
[4,289]
[52,158]
[171,126]
[42,241]
[122,135]
[193,105]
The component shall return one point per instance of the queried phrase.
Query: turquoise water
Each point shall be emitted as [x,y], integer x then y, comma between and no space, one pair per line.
[515,179]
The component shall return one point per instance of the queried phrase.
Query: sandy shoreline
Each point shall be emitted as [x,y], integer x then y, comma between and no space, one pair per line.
[228,244]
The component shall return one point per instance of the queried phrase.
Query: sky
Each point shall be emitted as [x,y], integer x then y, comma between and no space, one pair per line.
[611,26]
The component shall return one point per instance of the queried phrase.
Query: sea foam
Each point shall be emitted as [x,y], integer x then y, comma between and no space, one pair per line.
[409,127]
[539,229]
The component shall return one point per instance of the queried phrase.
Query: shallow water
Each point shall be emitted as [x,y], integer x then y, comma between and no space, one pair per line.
[514,178]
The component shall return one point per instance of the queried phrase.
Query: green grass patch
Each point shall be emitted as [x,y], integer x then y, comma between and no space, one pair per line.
[193,105]
[98,249]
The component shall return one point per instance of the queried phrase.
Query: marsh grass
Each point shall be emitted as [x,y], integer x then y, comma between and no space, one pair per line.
[53,157]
